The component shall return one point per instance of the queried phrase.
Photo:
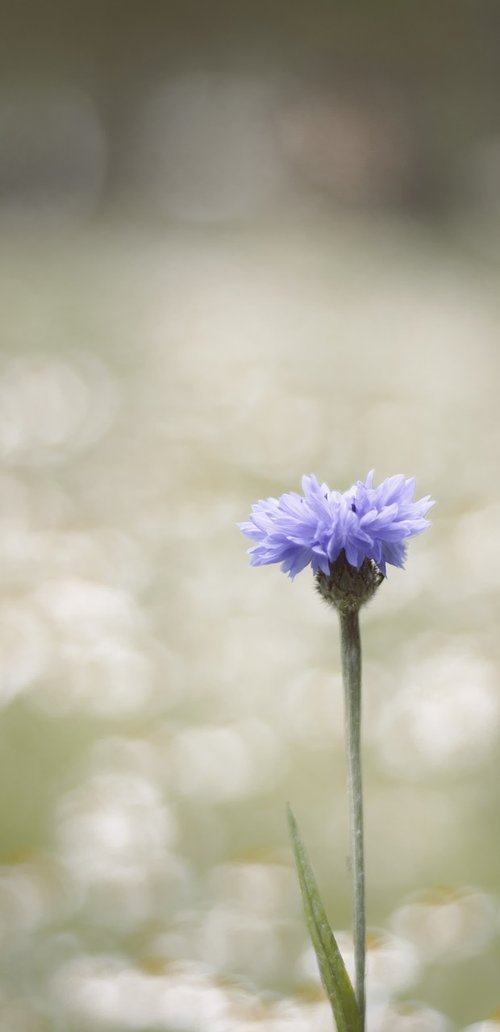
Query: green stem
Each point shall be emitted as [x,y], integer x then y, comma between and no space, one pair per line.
[351,672]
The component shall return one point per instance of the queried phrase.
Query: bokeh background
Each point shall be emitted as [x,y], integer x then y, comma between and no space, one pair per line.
[240,242]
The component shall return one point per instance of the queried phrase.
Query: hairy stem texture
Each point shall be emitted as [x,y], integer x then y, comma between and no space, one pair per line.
[351,672]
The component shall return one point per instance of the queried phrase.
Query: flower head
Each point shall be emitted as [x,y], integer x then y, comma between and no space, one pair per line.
[365,522]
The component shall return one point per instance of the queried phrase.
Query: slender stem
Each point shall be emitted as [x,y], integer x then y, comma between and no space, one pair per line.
[351,671]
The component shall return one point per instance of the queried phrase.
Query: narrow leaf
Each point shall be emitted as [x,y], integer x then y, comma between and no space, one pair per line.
[331,965]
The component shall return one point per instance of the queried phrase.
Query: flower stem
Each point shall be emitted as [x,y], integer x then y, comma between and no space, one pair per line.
[351,672]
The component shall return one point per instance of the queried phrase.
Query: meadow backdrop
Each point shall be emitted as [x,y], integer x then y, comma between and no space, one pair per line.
[240,242]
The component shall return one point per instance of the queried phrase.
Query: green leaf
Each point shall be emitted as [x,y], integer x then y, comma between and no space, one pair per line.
[332,968]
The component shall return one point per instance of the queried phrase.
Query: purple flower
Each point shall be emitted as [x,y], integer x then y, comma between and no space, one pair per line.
[365,522]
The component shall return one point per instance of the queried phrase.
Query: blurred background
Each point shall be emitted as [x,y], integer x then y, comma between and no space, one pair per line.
[240,242]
